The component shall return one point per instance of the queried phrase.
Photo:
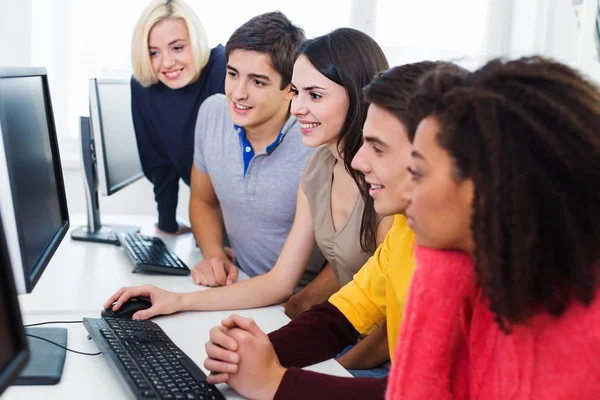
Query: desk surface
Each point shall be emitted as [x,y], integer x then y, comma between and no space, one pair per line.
[81,276]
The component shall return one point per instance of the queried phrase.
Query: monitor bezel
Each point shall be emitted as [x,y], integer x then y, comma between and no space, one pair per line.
[103,171]
[25,282]
[21,356]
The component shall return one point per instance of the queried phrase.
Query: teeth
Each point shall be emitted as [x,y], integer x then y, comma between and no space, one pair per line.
[241,107]
[309,126]
[172,74]
[376,186]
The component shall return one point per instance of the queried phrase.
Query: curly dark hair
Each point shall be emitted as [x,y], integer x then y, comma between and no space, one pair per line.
[350,58]
[527,132]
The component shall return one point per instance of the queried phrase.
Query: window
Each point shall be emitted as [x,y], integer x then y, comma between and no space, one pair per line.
[80,39]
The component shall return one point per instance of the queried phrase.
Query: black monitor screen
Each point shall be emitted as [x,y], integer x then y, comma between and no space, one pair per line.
[12,343]
[26,125]
[120,146]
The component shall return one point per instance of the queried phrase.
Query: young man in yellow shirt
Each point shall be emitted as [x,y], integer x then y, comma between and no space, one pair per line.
[260,366]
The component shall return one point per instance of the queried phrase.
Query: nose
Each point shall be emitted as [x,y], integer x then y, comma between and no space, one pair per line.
[298,108]
[239,91]
[167,61]
[360,162]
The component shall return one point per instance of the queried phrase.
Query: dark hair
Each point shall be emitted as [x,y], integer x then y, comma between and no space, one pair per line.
[392,90]
[351,59]
[527,132]
[271,33]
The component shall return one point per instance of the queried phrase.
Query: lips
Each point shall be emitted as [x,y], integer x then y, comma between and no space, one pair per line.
[174,74]
[240,109]
[375,189]
[307,127]
[411,221]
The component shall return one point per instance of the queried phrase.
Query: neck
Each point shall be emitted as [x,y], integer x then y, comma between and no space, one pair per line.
[262,135]
[332,145]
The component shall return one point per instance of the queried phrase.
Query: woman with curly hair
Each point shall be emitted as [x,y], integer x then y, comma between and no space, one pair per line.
[505,206]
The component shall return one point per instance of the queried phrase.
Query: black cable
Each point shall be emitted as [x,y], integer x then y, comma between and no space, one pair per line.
[63,347]
[52,322]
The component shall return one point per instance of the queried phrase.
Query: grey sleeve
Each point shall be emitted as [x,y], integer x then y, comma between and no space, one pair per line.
[205,124]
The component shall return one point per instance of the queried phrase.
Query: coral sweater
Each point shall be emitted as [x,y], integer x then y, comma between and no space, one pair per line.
[451,348]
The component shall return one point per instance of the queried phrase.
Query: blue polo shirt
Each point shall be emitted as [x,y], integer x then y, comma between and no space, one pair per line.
[248,151]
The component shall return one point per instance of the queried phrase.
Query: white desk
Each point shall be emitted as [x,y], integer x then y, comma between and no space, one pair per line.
[82,276]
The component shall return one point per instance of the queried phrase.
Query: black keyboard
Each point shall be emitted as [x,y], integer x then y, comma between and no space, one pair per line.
[151,254]
[148,362]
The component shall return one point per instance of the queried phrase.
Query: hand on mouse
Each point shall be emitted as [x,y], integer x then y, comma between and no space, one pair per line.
[163,301]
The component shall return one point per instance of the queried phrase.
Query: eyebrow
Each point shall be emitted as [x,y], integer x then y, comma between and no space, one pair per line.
[309,88]
[170,44]
[416,154]
[254,76]
[376,140]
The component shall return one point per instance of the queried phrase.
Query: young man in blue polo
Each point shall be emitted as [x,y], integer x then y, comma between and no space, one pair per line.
[249,156]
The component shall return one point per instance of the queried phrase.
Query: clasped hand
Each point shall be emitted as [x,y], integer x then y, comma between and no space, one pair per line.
[242,355]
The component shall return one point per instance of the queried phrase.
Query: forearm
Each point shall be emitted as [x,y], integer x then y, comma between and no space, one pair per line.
[315,335]
[260,291]
[316,292]
[207,226]
[370,352]
[301,384]
[166,192]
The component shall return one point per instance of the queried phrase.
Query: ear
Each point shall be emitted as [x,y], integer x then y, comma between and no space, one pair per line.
[289,95]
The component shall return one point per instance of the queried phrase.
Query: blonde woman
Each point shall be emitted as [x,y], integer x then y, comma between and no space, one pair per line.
[174,71]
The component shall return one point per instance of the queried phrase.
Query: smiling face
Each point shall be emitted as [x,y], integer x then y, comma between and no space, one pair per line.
[384,158]
[253,89]
[171,53]
[319,104]
[440,204]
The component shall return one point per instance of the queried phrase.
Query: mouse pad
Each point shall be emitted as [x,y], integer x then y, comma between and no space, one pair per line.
[46,361]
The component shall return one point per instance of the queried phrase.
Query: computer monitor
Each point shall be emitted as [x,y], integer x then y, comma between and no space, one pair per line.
[110,156]
[33,204]
[13,346]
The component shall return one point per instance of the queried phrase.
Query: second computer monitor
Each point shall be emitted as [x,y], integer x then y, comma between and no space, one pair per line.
[117,155]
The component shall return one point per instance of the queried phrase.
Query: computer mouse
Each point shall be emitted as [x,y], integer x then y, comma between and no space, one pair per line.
[128,308]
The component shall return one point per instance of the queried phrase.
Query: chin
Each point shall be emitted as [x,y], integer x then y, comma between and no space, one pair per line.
[178,84]
[311,142]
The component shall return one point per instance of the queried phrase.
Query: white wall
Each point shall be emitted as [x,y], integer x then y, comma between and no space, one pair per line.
[15,33]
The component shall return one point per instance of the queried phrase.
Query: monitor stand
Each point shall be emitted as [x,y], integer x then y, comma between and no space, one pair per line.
[94,231]
[106,234]
[46,360]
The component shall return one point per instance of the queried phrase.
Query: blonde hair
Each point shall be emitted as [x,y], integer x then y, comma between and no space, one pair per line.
[154,13]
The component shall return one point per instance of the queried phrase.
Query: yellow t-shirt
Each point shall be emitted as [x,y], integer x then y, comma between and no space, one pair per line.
[378,291]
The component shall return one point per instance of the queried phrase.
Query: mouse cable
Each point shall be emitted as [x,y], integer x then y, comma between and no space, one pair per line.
[53,322]
[63,347]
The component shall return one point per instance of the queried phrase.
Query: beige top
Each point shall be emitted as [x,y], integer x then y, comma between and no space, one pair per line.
[342,248]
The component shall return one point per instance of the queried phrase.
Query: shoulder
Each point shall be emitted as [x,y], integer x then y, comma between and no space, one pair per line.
[214,72]
[136,88]
[217,56]
[317,166]
[213,115]
[321,156]
[215,105]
